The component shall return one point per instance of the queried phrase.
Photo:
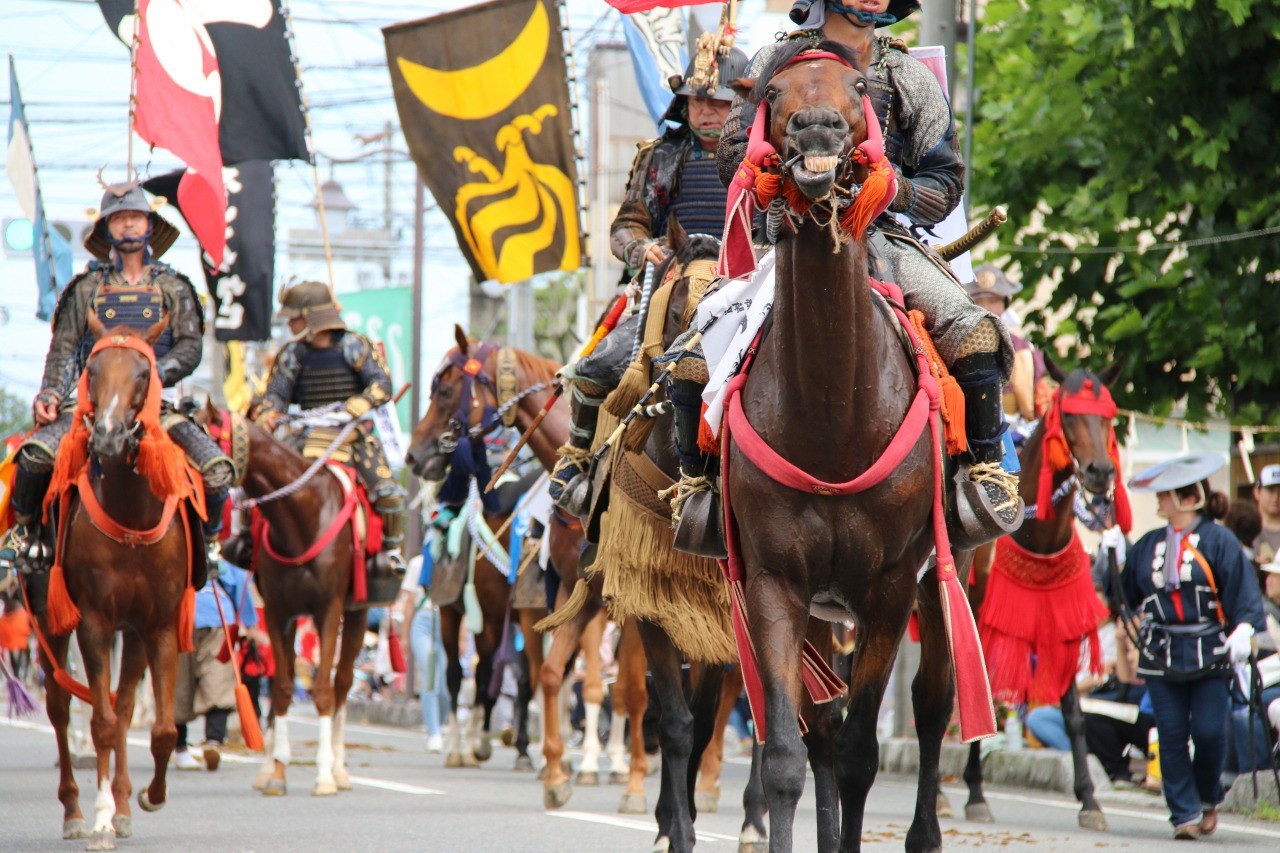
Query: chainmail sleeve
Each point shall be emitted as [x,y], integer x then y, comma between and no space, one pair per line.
[632,227]
[931,181]
[284,375]
[364,357]
[69,319]
[186,324]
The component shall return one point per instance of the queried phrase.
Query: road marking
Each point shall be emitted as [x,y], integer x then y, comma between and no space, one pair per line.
[400,787]
[626,823]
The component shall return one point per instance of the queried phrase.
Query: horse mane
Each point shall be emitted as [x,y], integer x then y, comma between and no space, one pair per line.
[536,368]
[1075,380]
[789,50]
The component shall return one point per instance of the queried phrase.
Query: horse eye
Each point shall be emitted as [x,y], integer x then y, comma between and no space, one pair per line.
[770,94]
[861,86]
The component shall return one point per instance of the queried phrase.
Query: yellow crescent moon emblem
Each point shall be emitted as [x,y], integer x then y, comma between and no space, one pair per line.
[488,88]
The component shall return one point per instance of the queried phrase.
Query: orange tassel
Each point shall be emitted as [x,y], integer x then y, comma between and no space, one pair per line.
[63,614]
[187,621]
[162,462]
[249,728]
[871,199]
[707,441]
[953,405]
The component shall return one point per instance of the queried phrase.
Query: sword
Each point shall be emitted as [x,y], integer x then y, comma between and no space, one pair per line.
[609,323]
[974,236]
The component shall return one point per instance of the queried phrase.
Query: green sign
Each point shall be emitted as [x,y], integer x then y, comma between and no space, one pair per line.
[385,316]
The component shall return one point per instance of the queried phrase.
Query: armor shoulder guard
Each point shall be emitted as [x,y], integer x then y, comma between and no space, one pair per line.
[287,358]
[898,45]
[72,287]
[356,348]
[165,269]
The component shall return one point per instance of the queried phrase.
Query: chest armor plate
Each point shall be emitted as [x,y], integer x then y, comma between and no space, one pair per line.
[139,308]
[324,377]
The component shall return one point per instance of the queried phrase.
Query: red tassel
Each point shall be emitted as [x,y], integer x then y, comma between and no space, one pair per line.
[63,614]
[953,406]
[747,658]
[707,442]
[973,693]
[187,621]
[249,728]
[873,199]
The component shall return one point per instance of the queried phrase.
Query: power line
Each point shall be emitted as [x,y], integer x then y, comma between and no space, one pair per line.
[1136,249]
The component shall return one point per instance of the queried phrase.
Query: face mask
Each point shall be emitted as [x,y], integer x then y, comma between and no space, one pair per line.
[711,133]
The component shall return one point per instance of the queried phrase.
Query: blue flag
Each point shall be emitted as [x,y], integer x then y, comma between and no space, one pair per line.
[656,41]
[51,250]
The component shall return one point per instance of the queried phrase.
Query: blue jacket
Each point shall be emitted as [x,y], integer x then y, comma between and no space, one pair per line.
[231,589]
[1190,643]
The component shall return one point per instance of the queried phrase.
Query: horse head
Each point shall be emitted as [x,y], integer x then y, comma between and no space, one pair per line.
[1084,404]
[119,377]
[457,405]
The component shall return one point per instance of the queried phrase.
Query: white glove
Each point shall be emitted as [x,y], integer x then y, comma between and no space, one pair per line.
[1239,644]
[1113,537]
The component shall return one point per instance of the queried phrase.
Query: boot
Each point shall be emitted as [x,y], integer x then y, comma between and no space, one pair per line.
[212,529]
[697,514]
[393,538]
[569,487]
[238,550]
[987,505]
[23,547]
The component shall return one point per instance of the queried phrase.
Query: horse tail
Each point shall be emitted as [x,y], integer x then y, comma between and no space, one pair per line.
[581,595]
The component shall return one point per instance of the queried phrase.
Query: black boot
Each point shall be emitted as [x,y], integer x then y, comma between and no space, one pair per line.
[987,504]
[22,546]
[569,488]
[696,511]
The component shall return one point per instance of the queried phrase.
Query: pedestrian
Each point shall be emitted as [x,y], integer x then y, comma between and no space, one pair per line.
[1199,605]
[1266,545]
[425,643]
[206,683]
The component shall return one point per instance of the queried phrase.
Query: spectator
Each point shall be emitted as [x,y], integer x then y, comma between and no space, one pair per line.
[1245,521]
[425,643]
[206,684]
[1266,543]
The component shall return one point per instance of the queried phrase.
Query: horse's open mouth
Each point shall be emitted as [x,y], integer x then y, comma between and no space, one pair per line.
[815,175]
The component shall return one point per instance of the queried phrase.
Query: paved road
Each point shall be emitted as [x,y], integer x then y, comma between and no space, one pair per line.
[404,800]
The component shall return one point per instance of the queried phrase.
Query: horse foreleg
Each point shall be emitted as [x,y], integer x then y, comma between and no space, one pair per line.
[675,730]
[754,836]
[592,699]
[823,722]
[57,703]
[162,656]
[95,636]
[450,628]
[533,665]
[557,787]
[1091,816]
[932,694]
[707,795]
[322,692]
[631,695]
[354,623]
[281,632]
[133,663]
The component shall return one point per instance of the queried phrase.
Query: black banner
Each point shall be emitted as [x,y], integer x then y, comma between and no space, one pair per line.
[483,99]
[242,287]
[261,116]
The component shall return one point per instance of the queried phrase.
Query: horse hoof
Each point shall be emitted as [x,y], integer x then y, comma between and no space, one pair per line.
[326,788]
[752,841]
[104,840]
[123,825]
[76,827]
[662,845]
[144,802]
[264,776]
[524,764]
[453,759]
[978,813]
[275,788]
[707,801]
[1092,820]
[944,806]
[470,759]
[617,777]
[508,736]
[589,778]
[342,779]
[557,796]
[633,804]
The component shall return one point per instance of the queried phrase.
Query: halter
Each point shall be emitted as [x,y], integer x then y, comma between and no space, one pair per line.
[472,368]
[1058,455]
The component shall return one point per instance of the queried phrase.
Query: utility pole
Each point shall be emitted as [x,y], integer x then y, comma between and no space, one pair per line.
[938,26]
[387,161]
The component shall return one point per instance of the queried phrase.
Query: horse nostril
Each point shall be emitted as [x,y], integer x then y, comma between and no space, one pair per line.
[817,118]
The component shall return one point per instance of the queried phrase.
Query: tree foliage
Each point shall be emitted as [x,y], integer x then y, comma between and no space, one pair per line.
[15,413]
[1134,122]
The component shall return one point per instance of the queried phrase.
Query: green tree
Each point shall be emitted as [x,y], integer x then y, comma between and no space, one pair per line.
[1138,122]
[15,413]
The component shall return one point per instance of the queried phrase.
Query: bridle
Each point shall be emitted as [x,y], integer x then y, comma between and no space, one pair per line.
[1058,455]
[492,418]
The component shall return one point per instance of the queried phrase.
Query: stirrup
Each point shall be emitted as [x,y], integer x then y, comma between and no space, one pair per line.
[23,548]
[697,517]
[572,463]
[986,507]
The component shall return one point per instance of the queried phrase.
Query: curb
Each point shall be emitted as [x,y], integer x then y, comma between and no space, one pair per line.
[1043,769]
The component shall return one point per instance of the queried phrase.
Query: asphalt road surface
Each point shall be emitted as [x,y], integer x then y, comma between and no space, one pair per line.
[404,799]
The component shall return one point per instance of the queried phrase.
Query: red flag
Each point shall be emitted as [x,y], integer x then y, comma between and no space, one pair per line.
[179,96]
[630,7]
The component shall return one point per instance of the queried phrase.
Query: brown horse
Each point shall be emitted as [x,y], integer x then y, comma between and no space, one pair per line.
[317,588]
[112,582]
[830,386]
[458,404]
[1089,467]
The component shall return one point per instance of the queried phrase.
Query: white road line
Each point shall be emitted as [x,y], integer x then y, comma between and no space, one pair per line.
[399,787]
[625,823]
[397,732]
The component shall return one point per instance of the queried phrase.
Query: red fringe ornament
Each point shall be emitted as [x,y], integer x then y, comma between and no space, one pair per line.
[63,614]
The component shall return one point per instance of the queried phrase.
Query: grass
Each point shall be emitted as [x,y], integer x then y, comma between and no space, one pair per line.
[1266,811]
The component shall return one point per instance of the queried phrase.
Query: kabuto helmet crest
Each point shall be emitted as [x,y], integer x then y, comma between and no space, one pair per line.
[314,302]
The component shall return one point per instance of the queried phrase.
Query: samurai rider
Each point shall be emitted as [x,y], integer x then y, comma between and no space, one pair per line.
[673,175]
[920,141]
[127,285]
[325,363]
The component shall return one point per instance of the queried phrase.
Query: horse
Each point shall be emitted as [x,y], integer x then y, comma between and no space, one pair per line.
[457,409]
[130,568]
[1087,435]
[304,552]
[832,365]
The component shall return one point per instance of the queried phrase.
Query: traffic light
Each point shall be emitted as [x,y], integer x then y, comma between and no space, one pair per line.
[19,236]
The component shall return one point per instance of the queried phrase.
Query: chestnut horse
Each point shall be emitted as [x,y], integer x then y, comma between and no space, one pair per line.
[112,582]
[1087,437]
[449,414]
[317,588]
[829,388]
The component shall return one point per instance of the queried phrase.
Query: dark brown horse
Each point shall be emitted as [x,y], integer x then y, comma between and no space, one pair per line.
[126,563]
[830,386]
[317,588]
[1088,467]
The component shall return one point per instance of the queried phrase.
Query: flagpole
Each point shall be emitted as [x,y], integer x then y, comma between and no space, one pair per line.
[133,88]
[579,153]
[311,144]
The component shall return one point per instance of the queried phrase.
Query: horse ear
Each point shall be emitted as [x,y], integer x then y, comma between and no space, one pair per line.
[1111,371]
[676,235]
[1055,371]
[210,407]
[153,334]
[743,86]
[95,326]
[461,337]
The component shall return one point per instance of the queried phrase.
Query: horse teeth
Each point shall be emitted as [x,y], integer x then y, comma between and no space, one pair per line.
[818,165]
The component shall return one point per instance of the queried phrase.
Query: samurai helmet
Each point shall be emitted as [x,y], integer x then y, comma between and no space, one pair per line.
[129,196]
[990,280]
[314,302]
